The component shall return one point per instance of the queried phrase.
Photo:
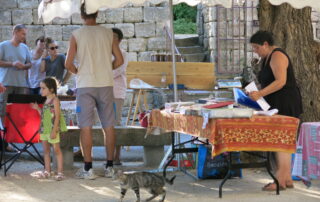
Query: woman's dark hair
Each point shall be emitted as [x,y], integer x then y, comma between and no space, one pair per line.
[51,83]
[48,41]
[262,36]
[118,32]
[84,14]
[41,38]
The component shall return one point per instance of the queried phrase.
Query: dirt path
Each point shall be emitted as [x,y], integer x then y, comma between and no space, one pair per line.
[20,186]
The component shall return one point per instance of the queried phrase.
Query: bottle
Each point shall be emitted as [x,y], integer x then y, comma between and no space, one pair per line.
[163,83]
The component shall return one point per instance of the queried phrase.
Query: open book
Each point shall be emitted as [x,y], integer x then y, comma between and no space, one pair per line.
[241,98]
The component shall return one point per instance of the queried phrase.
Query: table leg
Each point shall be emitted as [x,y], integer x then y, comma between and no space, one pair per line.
[270,173]
[131,106]
[145,100]
[137,105]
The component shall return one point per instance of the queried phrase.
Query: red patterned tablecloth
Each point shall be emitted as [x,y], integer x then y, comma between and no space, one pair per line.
[258,133]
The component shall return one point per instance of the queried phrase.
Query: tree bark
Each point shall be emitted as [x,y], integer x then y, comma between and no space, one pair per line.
[292,29]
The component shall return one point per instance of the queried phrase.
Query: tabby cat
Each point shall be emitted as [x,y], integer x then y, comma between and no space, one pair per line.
[136,180]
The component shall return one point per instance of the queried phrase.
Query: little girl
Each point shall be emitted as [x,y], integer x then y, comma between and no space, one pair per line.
[52,123]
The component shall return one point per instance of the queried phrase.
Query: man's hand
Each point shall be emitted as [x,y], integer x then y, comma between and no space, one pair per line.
[18,65]
[2,88]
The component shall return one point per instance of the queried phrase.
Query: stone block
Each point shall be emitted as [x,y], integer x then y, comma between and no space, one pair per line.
[160,32]
[33,32]
[101,17]
[5,32]
[137,44]
[114,15]
[127,29]
[8,4]
[61,21]
[28,3]
[22,17]
[156,43]
[67,31]
[156,14]
[134,14]
[76,19]
[145,56]
[5,17]
[132,56]
[315,16]
[63,46]
[109,26]
[53,31]
[147,29]
[212,43]
[124,44]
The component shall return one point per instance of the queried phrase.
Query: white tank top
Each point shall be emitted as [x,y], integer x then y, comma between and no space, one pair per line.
[94,56]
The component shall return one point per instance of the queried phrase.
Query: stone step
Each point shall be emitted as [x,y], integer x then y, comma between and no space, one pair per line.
[196,57]
[190,49]
[190,41]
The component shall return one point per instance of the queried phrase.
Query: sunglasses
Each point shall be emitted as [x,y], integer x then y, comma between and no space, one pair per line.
[52,48]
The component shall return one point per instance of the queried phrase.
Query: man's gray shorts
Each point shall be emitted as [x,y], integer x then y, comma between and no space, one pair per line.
[100,98]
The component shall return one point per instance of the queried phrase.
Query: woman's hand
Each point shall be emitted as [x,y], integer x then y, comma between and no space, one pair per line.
[35,106]
[255,95]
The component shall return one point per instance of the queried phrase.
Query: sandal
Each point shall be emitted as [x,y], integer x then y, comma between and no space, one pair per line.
[59,177]
[43,175]
[272,187]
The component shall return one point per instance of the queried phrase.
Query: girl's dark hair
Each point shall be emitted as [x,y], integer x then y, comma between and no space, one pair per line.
[51,83]
[84,14]
[41,38]
[262,36]
[48,41]
[118,32]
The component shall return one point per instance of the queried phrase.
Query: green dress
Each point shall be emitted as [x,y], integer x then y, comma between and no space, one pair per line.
[47,117]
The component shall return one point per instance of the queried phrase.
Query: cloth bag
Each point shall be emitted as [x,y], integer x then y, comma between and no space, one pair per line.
[217,167]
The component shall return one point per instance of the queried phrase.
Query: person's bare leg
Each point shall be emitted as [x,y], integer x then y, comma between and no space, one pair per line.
[109,142]
[86,143]
[59,157]
[284,168]
[46,156]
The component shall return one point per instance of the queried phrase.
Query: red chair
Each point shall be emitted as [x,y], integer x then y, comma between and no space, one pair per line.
[22,125]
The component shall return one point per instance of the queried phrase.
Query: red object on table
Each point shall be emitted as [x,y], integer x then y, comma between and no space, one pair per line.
[218,105]
[258,133]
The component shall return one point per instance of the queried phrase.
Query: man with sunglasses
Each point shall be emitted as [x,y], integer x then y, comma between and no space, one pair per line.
[15,61]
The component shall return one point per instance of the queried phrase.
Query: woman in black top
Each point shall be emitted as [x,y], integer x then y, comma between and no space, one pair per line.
[280,90]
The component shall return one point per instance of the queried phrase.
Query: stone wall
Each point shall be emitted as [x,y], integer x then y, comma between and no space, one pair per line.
[142,26]
[209,18]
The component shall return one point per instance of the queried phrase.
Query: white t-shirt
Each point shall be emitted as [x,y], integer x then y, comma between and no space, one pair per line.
[94,56]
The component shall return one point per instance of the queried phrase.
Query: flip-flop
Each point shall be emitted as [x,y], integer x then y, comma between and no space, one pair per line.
[269,187]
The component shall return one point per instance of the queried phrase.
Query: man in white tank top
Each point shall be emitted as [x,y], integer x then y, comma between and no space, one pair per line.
[93,47]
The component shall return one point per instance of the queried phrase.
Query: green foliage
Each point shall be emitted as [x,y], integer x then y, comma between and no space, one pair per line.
[184,19]
[184,11]
[181,26]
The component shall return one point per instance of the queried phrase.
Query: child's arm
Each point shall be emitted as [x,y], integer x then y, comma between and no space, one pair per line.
[55,129]
[36,107]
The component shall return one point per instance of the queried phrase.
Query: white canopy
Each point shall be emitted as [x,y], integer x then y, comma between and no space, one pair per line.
[49,9]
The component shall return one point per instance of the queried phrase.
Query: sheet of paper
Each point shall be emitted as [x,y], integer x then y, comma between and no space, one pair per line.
[262,102]
[267,113]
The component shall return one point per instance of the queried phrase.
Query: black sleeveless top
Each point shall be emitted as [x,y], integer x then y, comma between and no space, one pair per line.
[288,99]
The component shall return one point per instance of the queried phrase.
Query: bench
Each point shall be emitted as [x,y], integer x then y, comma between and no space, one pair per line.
[194,75]
[125,136]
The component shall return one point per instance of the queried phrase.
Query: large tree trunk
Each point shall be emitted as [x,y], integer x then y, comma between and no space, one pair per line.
[292,29]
